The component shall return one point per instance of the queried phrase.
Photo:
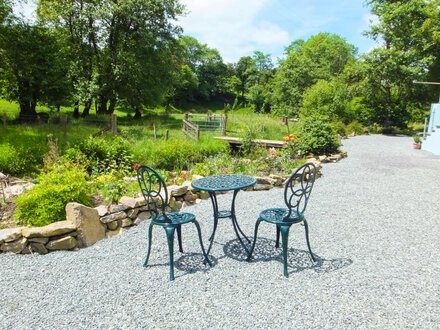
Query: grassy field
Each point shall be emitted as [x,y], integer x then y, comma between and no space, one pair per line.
[145,138]
[239,122]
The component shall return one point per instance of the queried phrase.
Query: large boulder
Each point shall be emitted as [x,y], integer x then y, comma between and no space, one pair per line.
[54,229]
[86,219]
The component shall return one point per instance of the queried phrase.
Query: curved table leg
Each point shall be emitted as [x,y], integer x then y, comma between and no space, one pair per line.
[234,218]
[215,209]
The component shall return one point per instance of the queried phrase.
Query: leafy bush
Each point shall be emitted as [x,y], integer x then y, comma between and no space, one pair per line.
[111,187]
[355,127]
[107,155]
[10,160]
[317,136]
[45,203]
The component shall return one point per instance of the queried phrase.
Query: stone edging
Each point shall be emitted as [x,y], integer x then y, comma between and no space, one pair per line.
[85,226]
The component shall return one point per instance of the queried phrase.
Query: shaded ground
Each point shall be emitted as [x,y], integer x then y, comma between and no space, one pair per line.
[375,224]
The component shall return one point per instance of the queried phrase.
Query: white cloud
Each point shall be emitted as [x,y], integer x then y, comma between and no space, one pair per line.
[232,27]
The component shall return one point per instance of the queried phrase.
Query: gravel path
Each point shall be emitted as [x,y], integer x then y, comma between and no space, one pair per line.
[375,223]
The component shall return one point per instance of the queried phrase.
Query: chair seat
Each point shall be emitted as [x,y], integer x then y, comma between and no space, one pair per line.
[177,218]
[277,216]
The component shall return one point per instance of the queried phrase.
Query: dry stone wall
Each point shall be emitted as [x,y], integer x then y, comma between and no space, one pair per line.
[84,226]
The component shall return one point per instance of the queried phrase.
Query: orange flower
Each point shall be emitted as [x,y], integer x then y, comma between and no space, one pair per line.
[286,138]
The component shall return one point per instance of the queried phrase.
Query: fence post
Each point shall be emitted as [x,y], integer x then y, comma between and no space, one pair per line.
[224,121]
[114,124]
[154,131]
[166,134]
[4,119]
[198,133]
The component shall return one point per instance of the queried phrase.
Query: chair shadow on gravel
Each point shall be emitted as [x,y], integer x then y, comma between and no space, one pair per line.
[298,260]
[191,263]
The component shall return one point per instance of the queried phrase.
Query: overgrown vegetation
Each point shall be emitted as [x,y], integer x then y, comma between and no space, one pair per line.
[45,203]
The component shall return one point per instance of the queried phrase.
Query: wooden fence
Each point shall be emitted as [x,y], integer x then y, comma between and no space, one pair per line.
[191,130]
[194,123]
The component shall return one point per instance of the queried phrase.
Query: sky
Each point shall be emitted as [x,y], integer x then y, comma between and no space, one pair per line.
[239,27]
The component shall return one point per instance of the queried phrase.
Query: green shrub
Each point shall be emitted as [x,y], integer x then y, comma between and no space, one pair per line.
[111,187]
[45,203]
[10,160]
[318,137]
[355,127]
[375,129]
[339,128]
[107,155]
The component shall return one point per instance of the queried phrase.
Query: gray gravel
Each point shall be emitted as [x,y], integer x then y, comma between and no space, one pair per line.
[375,224]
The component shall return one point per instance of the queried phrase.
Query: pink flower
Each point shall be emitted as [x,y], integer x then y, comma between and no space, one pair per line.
[272,152]
[136,166]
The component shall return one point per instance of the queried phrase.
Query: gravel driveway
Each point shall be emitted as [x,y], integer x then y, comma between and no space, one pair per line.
[374,222]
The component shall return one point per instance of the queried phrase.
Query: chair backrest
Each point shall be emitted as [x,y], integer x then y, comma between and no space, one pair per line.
[154,190]
[298,189]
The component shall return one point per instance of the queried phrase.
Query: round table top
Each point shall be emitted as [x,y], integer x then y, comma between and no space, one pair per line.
[224,182]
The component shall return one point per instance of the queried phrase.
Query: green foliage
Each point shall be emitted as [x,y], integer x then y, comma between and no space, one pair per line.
[11,162]
[107,155]
[45,203]
[262,163]
[33,66]
[326,98]
[355,127]
[111,187]
[248,145]
[321,57]
[412,55]
[417,139]
[318,137]
[175,154]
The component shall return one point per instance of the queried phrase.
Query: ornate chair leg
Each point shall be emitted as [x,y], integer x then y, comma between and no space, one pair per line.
[255,240]
[179,237]
[306,227]
[170,238]
[285,238]
[199,232]
[150,236]
[277,243]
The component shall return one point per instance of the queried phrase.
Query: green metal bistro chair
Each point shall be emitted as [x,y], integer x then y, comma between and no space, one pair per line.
[296,196]
[156,196]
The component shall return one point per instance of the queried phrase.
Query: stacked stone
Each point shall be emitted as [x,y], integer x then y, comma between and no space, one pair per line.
[60,235]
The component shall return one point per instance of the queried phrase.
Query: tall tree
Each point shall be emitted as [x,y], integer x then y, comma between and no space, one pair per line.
[208,66]
[321,57]
[123,49]
[32,66]
[409,33]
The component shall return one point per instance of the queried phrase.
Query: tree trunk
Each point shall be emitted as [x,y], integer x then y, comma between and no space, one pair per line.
[76,110]
[87,107]
[137,114]
[112,106]
[27,112]
[102,107]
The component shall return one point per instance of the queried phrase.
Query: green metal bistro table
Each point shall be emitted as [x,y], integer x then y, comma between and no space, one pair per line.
[221,183]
